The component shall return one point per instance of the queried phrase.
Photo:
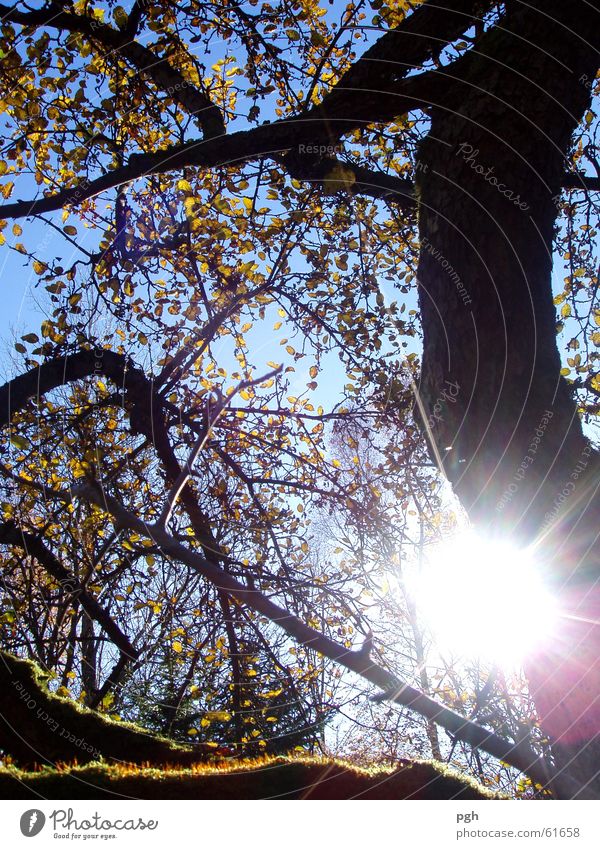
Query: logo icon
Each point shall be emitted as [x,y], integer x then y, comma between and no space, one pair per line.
[32,822]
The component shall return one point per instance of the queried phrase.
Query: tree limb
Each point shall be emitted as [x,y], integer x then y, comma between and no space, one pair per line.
[166,78]
[518,754]
[11,534]
[582,182]
[405,48]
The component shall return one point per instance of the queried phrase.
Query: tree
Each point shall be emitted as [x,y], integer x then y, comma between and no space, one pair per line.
[487,106]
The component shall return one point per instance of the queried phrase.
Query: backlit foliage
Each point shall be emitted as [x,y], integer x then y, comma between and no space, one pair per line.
[268,307]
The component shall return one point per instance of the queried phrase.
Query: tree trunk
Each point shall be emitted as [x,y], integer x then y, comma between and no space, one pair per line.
[500,420]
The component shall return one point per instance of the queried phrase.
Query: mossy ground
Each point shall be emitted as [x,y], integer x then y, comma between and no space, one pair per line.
[275,778]
[57,749]
[39,727]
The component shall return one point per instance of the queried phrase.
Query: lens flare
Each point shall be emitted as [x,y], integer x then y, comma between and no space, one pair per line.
[485,599]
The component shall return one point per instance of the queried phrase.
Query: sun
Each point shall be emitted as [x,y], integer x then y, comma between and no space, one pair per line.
[485,599]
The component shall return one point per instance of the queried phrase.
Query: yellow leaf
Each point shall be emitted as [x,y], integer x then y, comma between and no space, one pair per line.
[39,267]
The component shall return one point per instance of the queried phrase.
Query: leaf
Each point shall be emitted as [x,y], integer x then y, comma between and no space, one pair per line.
[20,442]
[177,646]
[217,716]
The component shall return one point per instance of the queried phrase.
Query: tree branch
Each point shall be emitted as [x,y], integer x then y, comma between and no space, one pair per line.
[405,48]
[355,179]
[581,182]
[266,140]
[11,534]
[15,394]
[166,78]
[518,754]
[56,372]
[135,18]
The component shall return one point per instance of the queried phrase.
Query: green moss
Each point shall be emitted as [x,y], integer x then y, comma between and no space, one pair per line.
[276,778]
[66,751]
[39,727]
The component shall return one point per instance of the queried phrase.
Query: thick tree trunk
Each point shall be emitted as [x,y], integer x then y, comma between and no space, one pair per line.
[510,440]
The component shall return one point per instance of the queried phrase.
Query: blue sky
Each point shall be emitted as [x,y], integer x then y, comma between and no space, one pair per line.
[24,306]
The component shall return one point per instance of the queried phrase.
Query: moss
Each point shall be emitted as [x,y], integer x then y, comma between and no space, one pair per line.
[276,778]
[67,751]
[39,727]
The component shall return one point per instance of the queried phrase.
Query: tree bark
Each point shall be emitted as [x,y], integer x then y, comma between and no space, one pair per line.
[500,419]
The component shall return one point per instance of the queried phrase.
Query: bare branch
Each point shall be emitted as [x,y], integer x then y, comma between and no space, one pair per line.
[211,419]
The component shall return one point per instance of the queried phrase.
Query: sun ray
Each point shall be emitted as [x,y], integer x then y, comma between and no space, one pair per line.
[485,598]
